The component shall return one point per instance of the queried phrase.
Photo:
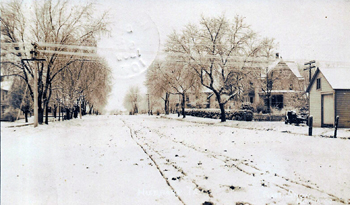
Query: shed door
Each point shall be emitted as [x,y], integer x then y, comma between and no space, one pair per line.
[328,109]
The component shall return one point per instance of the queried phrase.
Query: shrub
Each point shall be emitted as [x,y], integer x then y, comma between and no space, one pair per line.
[247,106]
[10,114]
[261,108]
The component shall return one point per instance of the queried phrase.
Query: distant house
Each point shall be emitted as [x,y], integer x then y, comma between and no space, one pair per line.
[285,82]
[329,92]
[4,101]
[282,81]
[203,99]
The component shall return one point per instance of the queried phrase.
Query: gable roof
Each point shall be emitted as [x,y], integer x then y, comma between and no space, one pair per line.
[294,68]
[278,63]
[338,78]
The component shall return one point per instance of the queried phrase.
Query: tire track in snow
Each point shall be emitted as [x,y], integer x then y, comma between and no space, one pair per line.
[155,163]
[245,163]
[180,170]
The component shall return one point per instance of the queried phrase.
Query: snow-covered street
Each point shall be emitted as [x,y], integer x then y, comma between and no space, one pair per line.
[155,160]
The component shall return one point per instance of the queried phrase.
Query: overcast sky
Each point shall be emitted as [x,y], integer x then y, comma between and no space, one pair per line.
[305,30]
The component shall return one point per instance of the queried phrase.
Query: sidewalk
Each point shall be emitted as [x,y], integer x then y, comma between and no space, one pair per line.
[22,123]
[342,133]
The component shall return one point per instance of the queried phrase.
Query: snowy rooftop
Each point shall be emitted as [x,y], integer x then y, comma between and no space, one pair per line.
[294,68]
[338,78]
[290,64]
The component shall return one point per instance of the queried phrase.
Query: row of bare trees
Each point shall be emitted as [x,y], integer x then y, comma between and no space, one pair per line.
[64,78]
[169,77]
[222,55]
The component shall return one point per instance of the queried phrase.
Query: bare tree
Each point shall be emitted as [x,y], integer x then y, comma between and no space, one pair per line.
[53,23]
[172,76]
[181,80]
[220,52]
[266,83]
[82,83]
[157,85]
[133,99]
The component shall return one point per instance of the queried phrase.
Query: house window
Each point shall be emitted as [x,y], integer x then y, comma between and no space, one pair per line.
[251,99]
[277,101]
[318,84]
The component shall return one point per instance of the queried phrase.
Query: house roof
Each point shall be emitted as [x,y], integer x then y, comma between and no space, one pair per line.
[294,68]
[338,78]
[290,64]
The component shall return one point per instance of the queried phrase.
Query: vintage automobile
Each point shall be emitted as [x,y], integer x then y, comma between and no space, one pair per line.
[292,117]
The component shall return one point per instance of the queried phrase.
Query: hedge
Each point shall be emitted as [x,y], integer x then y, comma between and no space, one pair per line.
[246,115]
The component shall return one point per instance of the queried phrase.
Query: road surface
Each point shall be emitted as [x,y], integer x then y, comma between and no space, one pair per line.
[152,160]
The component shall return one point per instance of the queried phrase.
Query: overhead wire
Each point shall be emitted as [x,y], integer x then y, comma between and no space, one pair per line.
[94,52]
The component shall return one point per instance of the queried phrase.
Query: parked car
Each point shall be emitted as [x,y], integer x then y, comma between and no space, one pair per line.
[292,117]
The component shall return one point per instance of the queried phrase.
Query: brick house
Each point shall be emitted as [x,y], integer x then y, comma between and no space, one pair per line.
[329,94]
[283,78]
[282,81]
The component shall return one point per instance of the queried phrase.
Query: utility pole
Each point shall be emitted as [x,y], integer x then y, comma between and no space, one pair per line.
[34,55]
[309,68]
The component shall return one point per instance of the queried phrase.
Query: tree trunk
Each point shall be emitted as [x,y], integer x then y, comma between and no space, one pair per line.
[47,114]
[54,111]
[167,111]
[135,109]
[80,113]
[268,103]
[83,108]
[166,103]
[67,114]
[90,111]
[183,105]
[41,115]
[59,113]
[26,116]
[222,110]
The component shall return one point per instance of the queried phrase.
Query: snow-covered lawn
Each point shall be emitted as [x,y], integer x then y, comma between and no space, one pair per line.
[150,159]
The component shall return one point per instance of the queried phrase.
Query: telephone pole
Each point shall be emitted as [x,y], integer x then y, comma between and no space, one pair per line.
[309,68]
[34,55]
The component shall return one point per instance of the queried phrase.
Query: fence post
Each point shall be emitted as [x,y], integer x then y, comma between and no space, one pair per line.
[310,124]
[336,126]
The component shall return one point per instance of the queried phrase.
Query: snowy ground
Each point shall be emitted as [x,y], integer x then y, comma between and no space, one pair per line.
[167,160]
